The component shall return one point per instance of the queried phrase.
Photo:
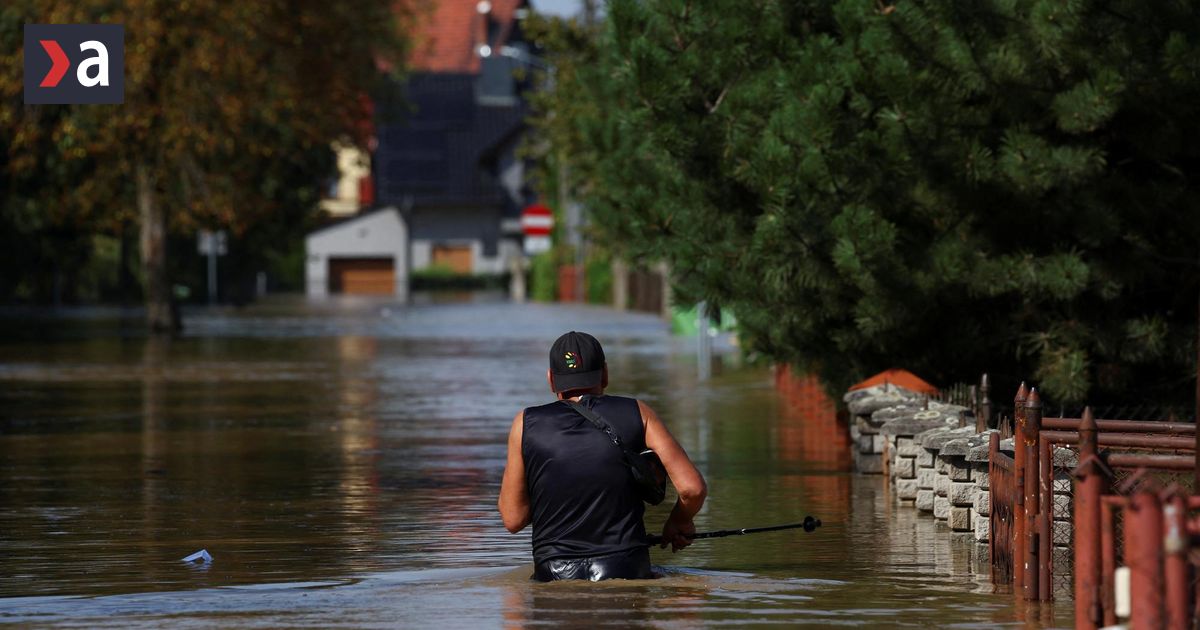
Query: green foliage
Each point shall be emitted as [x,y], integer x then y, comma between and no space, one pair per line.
[230,109]
[104,268]
[442,277]
[599,279]
[945,186]
[284,265]
[543,277]
[436,272]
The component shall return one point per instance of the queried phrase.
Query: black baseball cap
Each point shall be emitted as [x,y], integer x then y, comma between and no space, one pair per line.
[576,362]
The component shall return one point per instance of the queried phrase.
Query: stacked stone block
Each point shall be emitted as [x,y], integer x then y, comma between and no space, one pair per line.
[868,456]
[942,469]
[870,445]
[978,451]
[900,425]
[932,463]
[950,469]
[927,474]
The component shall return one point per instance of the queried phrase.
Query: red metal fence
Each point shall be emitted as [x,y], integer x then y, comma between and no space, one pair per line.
[1000,521]
[1108,529]
[1143,527]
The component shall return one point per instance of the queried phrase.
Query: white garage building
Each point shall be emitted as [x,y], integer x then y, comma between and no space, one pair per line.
[363,255]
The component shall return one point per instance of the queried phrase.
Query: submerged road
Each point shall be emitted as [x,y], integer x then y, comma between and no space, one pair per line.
[341,464]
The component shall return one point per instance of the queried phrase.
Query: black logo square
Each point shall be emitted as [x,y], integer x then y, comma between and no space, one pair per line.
[74,64]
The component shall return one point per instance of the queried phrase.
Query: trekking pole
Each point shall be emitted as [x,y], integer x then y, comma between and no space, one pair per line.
[809,524]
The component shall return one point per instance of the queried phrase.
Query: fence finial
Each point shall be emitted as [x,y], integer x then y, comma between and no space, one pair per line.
[1088,422]
[985,403]
[1034,401]
[1033,417]
[1087,436]
[1019,409]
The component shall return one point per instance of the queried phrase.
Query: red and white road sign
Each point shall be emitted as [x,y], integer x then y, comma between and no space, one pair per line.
[536,222]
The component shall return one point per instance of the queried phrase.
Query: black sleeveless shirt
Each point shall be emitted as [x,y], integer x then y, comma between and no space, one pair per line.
[583,499]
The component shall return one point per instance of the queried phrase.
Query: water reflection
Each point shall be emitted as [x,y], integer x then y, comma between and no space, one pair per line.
[347,458]
[153,448]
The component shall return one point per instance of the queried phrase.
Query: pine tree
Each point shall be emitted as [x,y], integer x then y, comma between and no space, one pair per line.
[951,187]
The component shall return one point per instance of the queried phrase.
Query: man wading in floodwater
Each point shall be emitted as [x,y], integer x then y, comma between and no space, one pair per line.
[567,477]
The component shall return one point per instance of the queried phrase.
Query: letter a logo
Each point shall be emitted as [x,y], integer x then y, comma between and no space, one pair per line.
[95,51]
[100,62]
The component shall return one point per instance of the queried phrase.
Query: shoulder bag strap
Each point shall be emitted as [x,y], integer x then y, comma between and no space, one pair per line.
[598,421]
[650,476]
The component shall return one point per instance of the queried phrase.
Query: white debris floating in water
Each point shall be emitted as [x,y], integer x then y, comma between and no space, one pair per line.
[201,556]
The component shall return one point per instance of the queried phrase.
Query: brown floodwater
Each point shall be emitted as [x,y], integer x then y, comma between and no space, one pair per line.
[341,465]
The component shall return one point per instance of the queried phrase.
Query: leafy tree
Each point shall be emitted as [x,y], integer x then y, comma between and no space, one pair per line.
[569,46]
[955,187]
[230,108]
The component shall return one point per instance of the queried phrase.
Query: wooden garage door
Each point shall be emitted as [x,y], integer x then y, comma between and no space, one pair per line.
[456,258]
[362,276]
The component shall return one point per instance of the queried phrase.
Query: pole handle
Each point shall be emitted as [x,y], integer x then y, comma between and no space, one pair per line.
[809,524]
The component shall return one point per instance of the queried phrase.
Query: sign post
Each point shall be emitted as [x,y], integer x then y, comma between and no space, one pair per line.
[212,244]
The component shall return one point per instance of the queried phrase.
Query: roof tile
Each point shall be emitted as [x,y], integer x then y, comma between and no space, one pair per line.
[450,31]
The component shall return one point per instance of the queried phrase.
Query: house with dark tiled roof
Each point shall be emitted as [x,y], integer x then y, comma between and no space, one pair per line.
[448,163]
[451,164]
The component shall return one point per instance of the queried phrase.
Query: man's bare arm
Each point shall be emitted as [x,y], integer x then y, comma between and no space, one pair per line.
[688,481]
[514,495]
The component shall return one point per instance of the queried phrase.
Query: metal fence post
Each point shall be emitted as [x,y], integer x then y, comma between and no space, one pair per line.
[1045,517]
[1175,566]
[1108,561]
[1029,437]
[993,492]
[1143,555]
[1018,490]
[1088,611]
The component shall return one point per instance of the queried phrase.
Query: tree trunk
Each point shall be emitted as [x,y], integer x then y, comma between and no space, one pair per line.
[159,311]
[127,284]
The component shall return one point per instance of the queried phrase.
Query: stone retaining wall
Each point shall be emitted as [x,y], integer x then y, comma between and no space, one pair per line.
[937,463]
